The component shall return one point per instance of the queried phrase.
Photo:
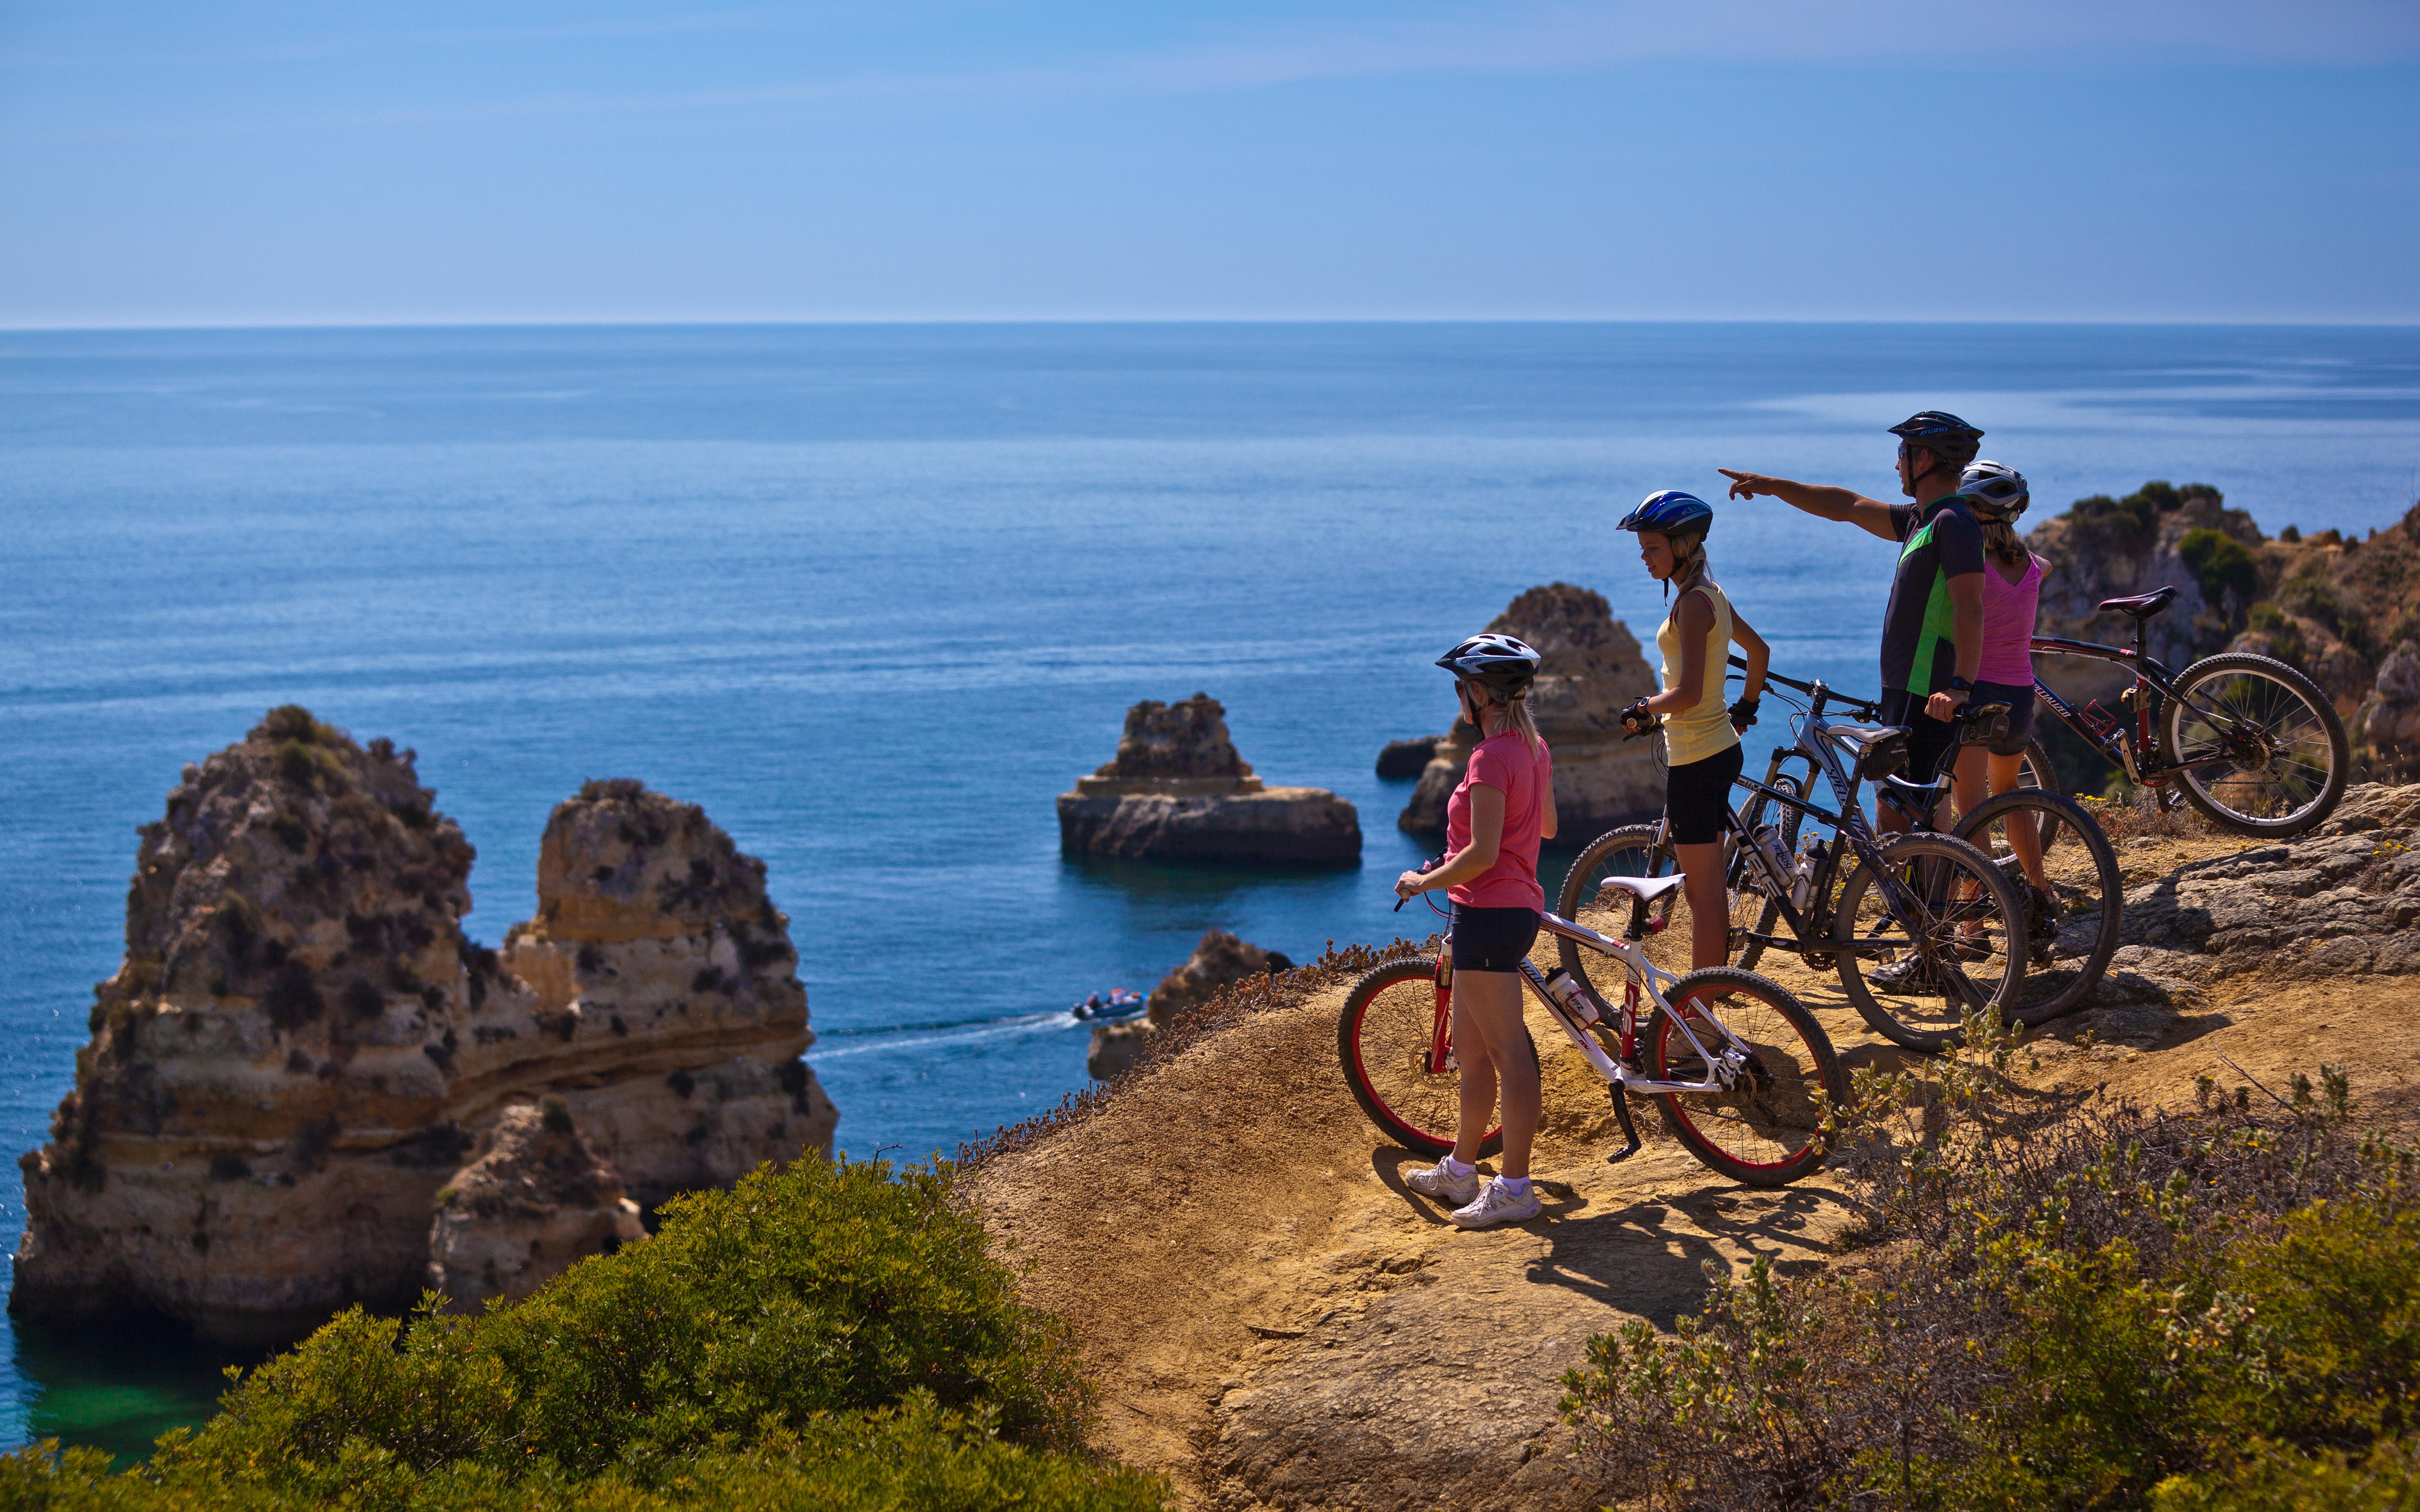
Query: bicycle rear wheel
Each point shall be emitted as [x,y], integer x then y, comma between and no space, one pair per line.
[1958,948]
[1383,1039]
[1766,1128]
[2073,932]
[2285,758]
[1633,851]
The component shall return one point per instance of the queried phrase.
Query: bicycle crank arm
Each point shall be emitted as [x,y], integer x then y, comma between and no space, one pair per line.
[1629,1130]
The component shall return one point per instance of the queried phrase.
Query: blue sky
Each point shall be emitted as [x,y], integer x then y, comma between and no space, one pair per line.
[545,160]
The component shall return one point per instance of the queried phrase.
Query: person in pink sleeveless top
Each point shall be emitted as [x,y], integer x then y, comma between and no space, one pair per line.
[1996,495]
[1494,822]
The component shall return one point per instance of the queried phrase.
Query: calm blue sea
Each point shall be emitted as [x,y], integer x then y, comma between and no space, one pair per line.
[873,595]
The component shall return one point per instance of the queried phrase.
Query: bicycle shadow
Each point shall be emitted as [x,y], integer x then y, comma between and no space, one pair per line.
[1650,1257]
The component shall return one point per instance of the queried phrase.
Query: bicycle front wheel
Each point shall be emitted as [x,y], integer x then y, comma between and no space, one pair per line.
[1765,1126]
[2276,751]
[1954,943]
[1383,1038]
[2071,927]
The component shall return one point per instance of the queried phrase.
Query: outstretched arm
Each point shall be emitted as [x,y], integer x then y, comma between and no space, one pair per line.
[1869,515]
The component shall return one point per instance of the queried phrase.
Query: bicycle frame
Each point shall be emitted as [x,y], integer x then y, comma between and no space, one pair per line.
[1642,973]
[2135,751]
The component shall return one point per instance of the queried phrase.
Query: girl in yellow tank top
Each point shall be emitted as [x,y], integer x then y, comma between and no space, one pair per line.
[1701,736]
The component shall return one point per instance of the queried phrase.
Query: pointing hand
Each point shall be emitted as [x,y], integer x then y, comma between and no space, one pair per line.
[1746,484]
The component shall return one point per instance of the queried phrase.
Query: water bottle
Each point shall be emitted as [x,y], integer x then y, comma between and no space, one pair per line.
[1768,840]
[1802,882]
[1565,989]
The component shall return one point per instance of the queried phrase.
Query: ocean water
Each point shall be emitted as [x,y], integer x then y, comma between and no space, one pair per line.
[874,595]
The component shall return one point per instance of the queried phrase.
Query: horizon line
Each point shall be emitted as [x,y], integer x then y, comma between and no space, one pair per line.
[546,323]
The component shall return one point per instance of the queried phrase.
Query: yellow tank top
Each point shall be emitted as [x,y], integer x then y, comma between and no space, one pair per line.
[1706,730]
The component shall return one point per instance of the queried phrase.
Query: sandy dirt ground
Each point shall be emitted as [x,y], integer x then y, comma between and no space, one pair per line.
[1275,1322]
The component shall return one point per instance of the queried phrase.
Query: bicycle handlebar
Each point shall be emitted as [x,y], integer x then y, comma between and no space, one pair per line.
[1851,701]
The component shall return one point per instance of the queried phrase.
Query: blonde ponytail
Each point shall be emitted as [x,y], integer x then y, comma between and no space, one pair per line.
[2000,540]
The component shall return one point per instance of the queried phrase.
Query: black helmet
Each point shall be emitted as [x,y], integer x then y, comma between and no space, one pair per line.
[1498,663]
[1943,433]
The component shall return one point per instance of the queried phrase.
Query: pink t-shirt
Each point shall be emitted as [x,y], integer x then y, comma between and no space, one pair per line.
[2008,609]
[1506,763]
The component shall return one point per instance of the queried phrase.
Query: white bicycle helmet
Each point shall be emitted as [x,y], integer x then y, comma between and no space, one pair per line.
[1502,664]
[1995,490]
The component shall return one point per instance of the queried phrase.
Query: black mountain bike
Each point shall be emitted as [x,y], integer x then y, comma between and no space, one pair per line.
[2250,742]
[1923,928]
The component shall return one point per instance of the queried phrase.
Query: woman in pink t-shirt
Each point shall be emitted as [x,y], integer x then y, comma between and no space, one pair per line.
[1996,496]
[1494,822]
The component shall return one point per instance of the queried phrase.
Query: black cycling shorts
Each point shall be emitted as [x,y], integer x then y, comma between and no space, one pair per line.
[1492,939]
[1929,739]
[1698,797]
[2020,714]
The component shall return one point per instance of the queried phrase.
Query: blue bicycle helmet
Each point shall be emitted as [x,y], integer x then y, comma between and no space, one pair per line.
[1941,433]
[1670,513]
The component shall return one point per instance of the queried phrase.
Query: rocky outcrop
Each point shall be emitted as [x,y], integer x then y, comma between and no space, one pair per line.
[1179,792]
[534,1201]
[1408,758]
[1593,669]
[1220,959]
[301,1044]
[2339,902]
[2104,548]
[664,995]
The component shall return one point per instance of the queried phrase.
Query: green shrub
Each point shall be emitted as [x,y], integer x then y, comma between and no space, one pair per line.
[914,1458]
[827,1335]
[2221,564]
[2212,1308]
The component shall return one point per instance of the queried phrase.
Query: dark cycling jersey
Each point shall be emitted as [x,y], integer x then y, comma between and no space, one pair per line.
[1937,542]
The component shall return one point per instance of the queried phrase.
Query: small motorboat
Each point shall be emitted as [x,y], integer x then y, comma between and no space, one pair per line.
[1121,1003]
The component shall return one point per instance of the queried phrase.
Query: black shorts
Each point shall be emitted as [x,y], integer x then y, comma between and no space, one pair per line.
[1929,739]
[2020,714]
[1492,939]
[1698,797]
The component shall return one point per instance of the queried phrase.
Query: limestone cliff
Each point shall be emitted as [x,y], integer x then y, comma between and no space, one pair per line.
[665,1005]
[1221,958]
[1593,669]
[1179,792]
[301,1044]
[534,1201]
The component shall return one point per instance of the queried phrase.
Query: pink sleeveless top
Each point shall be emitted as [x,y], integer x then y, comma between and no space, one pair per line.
[2008,609]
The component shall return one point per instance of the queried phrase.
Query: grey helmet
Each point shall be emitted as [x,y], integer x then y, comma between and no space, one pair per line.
[1503,665]
[1995,491]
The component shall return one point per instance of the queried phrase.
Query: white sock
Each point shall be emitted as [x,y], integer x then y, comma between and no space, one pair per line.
[1455,1168]
[1517,1185]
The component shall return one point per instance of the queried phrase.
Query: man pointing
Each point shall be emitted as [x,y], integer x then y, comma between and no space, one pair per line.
[1932,631]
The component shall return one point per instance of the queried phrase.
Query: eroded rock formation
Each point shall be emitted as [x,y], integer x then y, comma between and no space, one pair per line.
[1593,669]
[1221,958]
[1178,790]
[665,998]
[301,1044]
[1401,759]
[533,1201]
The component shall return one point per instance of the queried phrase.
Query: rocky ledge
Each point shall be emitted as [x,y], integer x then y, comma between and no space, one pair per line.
[1593,671]
[535,1199]
[1178,790]
[302,1046]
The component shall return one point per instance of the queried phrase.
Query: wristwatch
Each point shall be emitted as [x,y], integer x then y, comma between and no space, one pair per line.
[1960,685]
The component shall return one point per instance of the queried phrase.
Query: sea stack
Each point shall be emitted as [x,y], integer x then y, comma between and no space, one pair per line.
[1592,672]
[302,1046]
[1179,792]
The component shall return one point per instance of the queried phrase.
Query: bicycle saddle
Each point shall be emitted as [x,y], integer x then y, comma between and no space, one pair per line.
[2140,606]
[1646,889]
[1864,737]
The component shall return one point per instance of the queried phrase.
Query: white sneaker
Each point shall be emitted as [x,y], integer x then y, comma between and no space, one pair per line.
[1437,1182]
[1496,1204]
